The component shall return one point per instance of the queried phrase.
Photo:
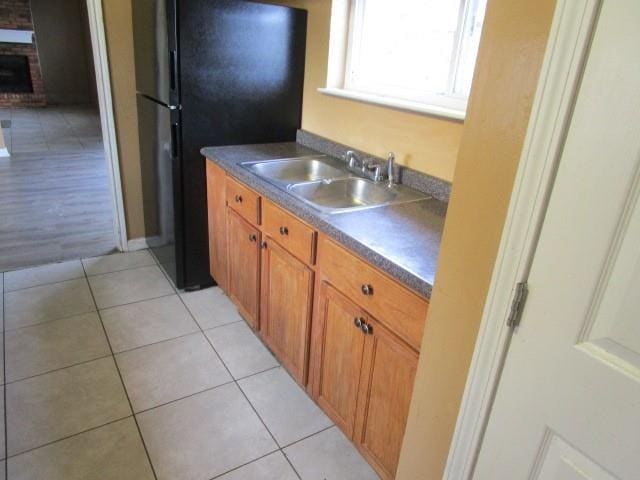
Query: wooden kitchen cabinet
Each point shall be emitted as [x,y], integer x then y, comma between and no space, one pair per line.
[339,325]
[286,306]
[243,267]
[217,217]
[365,338]
[363,381]
[338,350]
[386,383]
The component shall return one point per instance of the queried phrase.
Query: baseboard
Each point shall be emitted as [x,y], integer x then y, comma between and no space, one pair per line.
[143,243]
[137,244]
[4,152]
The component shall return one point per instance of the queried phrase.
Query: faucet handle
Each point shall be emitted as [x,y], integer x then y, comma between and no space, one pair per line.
[391,160]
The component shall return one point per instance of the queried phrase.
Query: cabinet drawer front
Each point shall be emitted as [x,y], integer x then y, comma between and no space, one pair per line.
[243,200]
[398,308]
[291,233]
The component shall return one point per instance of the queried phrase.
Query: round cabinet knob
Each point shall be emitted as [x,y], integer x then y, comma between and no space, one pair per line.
[366,328]
[263,245]
[284,231]
[358,322]
[253,238]
[238,198]
[367,289]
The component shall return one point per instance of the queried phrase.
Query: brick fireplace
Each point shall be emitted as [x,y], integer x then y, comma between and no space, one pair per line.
[14,57]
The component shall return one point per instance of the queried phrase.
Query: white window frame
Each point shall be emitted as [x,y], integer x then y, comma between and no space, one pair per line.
[339,83]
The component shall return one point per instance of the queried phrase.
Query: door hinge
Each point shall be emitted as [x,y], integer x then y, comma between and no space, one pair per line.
[517,306]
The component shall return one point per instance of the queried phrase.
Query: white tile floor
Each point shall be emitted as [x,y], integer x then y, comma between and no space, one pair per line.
[113,374]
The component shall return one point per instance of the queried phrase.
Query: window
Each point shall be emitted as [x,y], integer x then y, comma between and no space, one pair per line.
[412,54]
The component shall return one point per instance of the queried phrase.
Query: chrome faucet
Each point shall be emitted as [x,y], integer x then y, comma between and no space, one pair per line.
[369,168]
[391,160]
[351,159]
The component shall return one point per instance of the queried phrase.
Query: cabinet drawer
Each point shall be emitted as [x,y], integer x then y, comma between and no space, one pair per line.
[401,310]
[243,200]
[291,233]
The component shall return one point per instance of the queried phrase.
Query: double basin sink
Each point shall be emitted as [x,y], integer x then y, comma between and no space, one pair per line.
[327,185]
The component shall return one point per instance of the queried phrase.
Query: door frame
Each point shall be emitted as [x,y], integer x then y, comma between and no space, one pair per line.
[107,119]
[564,60]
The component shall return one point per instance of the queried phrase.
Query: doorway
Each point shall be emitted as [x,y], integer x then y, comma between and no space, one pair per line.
[58,186]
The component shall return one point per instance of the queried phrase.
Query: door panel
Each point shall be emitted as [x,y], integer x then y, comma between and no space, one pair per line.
[287,296]
[243,267]
[386,384]
[560,460]
[567,402]
[339,361]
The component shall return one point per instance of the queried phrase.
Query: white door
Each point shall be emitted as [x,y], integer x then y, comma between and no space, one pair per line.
[568,403]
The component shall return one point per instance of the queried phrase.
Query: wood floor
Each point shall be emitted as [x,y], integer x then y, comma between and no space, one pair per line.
[55,200]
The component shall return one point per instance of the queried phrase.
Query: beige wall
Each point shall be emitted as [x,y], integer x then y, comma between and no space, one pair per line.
[119,33]
[425,143]
[511,52]
[64,50]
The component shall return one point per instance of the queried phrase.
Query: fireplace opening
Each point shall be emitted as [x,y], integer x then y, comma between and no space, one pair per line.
[15,75]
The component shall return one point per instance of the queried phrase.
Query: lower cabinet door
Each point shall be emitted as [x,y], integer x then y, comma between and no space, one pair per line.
[388,372]
[243,267]
[285,313]
[338,351]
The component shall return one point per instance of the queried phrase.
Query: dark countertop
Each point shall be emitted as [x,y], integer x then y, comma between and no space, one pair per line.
[401,240]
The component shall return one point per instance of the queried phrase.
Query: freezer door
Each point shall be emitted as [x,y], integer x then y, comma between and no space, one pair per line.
[154,47]
[159,161]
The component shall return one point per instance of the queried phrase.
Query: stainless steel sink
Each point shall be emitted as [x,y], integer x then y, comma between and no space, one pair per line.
[296,170]
[349,194]
[327,184]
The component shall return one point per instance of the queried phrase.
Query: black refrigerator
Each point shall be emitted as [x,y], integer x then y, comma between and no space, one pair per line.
[208,72]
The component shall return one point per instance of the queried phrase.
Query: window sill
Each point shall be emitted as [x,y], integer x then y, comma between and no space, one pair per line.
[397,103]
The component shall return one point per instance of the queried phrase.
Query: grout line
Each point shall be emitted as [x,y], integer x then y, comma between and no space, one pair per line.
[126,392]
[48,321]
[119,269]
[244,464]
[36,375]
[138,267]
[140,412]
[309,436]
[286,457]
[133,349]
[42,284]
[69,436]
[233,380]
[133,303]
[218,326]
